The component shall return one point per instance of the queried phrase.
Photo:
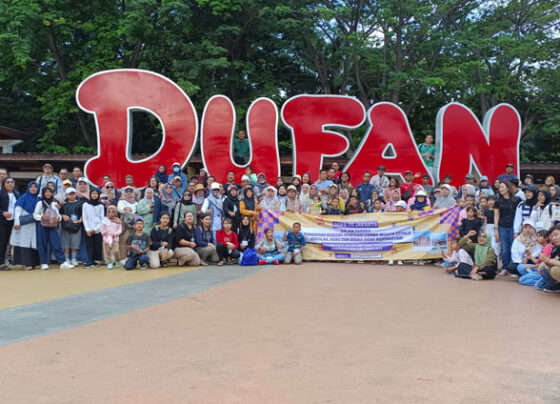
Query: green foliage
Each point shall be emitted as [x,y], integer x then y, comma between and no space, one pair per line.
[420,55]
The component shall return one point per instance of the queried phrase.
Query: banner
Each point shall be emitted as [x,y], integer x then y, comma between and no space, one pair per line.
[369,236]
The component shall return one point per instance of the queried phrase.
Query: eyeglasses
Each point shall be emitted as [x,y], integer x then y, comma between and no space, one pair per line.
[9,181]
[128,190]
[110,187]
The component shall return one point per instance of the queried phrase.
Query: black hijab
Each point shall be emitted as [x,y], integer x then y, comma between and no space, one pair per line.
[47,200]
[91,201]
[249,202]
[186,201]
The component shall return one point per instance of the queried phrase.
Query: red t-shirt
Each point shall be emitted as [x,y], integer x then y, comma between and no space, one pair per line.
[223,238]
[405,186]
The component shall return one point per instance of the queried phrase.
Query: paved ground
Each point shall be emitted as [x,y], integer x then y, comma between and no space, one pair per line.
[319,333]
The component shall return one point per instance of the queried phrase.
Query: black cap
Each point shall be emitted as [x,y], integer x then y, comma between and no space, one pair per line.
[510,165]
[381,168]
[425,176]
[447,176]
[530,176]
[407,172]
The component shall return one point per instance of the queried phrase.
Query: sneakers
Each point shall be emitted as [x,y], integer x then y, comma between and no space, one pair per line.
[439,264]
[551,290]
[203,263]
[262,262]
[503,273]
[476,277]
[391,262]
[88,265]
[143,266]
[118,264]
[276,262]
[44,267]
[110,265]
[4,268]
[514,276]
[399,262]
[66,265]
[74,262]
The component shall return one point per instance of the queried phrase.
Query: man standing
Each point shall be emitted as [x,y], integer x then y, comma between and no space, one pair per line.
[241,148]
[177,172]
[231,181]
[379,181]
[323,183]
[509,175]
[76,175]
[336,169]
[7,212]
[428,152]
[426,184]
[63,174]
[3,175]
[47,177]
[365,188]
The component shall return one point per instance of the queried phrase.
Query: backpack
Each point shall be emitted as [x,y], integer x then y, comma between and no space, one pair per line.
[249,257]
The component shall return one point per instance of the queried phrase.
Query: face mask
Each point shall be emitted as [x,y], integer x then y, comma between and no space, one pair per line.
[176,169]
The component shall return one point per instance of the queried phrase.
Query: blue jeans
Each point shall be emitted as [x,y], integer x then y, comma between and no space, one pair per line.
[506,240]
[523,270]
[448,264]
[547,282]
[48,240]
[270,258]
[132,261]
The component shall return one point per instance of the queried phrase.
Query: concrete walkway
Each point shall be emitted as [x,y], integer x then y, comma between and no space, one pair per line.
[319,333]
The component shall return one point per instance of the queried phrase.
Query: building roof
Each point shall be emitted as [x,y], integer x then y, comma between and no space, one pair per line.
[10,133]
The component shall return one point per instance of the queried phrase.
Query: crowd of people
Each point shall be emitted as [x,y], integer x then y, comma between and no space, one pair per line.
[507,227]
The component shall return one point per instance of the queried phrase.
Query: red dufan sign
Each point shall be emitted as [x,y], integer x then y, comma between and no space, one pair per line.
[462,142]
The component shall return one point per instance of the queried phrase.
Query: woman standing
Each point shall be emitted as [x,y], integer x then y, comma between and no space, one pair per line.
[185,205]
[148,210]
[24,236]
[231,207]
[504,213]
[168,200]
[93,213]
[248,207]
[127,210]
[48,240]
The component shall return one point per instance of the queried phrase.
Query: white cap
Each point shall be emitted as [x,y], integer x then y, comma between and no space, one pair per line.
[70,190]
[420,193]
[402,204]
[214,186]
[530,223]
[176,164]
[245,178]
[447,186]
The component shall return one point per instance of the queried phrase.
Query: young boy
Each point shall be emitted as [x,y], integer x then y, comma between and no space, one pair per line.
[451,260]
[138,245]
[333,208]
[296,243]
[70,234]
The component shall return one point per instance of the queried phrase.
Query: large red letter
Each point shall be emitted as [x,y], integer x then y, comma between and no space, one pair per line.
[462,142]
[111,96]
[218,125]
[307,116]
[388,127]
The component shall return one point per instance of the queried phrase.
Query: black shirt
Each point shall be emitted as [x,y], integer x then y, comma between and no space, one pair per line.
[158,236]
[507,210]
[182,232]
[489,215]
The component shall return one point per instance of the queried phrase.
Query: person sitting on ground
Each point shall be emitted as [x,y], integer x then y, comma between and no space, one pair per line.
[162,238]
[268,249]
[420,201]
[138,245]
[245,235]
[185,241]
[523,246]
[375,206]
[451,260]
[296,244]
[227,244]
[354,206]
[206,243]
[550,266]
[528,269]
[471,223]
[111,228]
[401,206]
[484,265]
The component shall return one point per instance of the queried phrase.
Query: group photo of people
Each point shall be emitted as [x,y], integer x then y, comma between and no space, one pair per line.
[508,226]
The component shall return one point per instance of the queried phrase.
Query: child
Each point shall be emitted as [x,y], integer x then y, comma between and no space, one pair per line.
[111,228]
[315,208]
[268,249]
[375,206]
[138,245]
[227,243]
[353,206]
[296,243]
[93,214]
[471,222]
[161,236]
[401,206]
[524,246]
[70,233]
[451,260]
[529,271]
[48,240]
[333,208]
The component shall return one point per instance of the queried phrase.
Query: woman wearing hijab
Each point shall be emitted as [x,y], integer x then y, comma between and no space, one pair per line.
[420,200]
[147,210]
[525,244]
[245,235]
[293,204]
[93,213]
[185,205]
[270,202]
[445,199]
[127,211]
[304,198]
[48,240]
[231,207]
[24,235]
[214,206]
[394,197]
[543,211]
[483,256]
[198,200]
[203,178]
[161,174]
[112,194]
[248,207]
[168,200]
[525,208]
[153,183]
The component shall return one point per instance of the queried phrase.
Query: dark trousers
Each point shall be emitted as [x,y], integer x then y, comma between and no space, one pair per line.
[464,271]
[223,252]
[94,245]
[133,260]
[512,268]
[48,240]
[5,232]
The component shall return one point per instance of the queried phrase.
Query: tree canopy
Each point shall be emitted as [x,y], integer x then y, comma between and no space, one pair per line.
[417,54]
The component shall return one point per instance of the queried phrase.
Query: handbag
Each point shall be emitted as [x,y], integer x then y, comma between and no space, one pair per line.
[249,257]
[25,219]
[52,214]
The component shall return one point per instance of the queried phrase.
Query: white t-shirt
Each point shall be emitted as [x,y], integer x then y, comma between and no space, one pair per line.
[12,205]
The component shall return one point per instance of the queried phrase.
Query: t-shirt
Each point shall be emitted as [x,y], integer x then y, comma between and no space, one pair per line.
[424,148]
[507,211]
[142,241]
[295,242]
[240,147]
[404,187]
[489,214]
